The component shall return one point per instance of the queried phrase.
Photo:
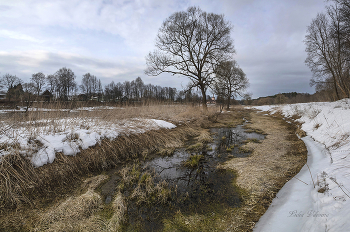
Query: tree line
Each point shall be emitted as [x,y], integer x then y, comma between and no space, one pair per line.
[286,98]
[328,49]
[62,86]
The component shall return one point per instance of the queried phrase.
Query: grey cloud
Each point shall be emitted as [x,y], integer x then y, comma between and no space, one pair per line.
[111,38]
[15,64]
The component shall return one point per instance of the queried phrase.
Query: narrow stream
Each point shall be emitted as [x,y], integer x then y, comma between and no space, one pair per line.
[202,188]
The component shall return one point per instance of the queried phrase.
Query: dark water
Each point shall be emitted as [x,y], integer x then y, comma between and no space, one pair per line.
[173,170]
[202,189]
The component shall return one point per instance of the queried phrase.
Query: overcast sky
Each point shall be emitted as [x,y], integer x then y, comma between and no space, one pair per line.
[111,38]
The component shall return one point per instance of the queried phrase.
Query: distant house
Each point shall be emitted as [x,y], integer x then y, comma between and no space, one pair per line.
[47,95]
[82,97]
[2,95]
[211,100]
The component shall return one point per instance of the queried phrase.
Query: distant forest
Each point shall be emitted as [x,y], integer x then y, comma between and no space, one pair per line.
[288,98]
[62,86]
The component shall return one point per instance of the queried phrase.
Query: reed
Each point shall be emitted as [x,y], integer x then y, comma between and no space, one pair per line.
[22,183]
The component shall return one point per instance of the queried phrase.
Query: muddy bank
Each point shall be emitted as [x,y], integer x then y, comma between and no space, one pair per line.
[272,163]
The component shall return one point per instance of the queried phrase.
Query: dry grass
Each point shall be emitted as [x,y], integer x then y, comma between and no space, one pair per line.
[41,113]
[69,214]
[204,137]
[273,162]
[119,208]
[25,188]
[80,213]
[143,187]
[18,176]
[22,183]
[237,116]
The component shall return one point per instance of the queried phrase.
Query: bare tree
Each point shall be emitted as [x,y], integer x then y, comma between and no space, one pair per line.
[65,82]
[29,90]
[38,80]
[230,81]
[127,89]
[89,85]
[326,56]
[191,43]
[140,87]
[343,7]
[51,82]
[99,90]
[247,98]
[10,81]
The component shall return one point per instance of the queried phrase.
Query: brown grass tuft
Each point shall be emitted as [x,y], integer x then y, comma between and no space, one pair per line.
[17,178]
[69,214]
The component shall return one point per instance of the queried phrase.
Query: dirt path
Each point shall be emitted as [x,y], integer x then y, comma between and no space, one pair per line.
[272,163]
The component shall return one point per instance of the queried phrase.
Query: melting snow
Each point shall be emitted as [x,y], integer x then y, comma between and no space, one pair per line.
[319,201]
[42,141]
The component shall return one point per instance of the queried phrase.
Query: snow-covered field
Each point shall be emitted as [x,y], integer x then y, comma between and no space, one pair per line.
[41,139]
[317,198]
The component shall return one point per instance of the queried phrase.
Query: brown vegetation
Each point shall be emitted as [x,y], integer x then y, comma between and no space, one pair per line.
[26,188]
[273,162]
[60,197]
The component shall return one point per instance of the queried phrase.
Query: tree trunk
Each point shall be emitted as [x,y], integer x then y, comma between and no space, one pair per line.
[204,98]
[335,87]
[229,97]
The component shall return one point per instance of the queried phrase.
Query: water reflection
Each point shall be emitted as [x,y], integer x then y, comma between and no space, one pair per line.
[173,170]
[198,189]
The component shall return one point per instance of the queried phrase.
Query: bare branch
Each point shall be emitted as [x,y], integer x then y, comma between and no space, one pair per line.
[191,43]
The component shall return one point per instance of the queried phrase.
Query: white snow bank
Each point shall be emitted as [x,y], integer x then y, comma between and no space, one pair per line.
[318,201]
[164,124]
[41,141]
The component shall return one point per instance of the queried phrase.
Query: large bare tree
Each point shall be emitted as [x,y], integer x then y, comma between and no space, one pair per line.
[326,51]
[230,80]
[191,43]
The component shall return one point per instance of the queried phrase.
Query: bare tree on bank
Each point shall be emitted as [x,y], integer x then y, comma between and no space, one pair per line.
[230,81]
[326,54]
[343,6]
[191,43]
[38,81]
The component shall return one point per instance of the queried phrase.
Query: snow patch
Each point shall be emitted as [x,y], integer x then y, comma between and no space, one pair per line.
[319,201]
[69,135]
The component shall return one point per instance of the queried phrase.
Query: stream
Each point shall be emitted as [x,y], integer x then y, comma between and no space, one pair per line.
[202,188]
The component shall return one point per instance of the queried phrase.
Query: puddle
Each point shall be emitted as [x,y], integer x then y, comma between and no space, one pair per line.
[200,189]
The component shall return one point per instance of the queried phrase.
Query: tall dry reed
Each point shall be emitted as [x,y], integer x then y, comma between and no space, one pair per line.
[22,183]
